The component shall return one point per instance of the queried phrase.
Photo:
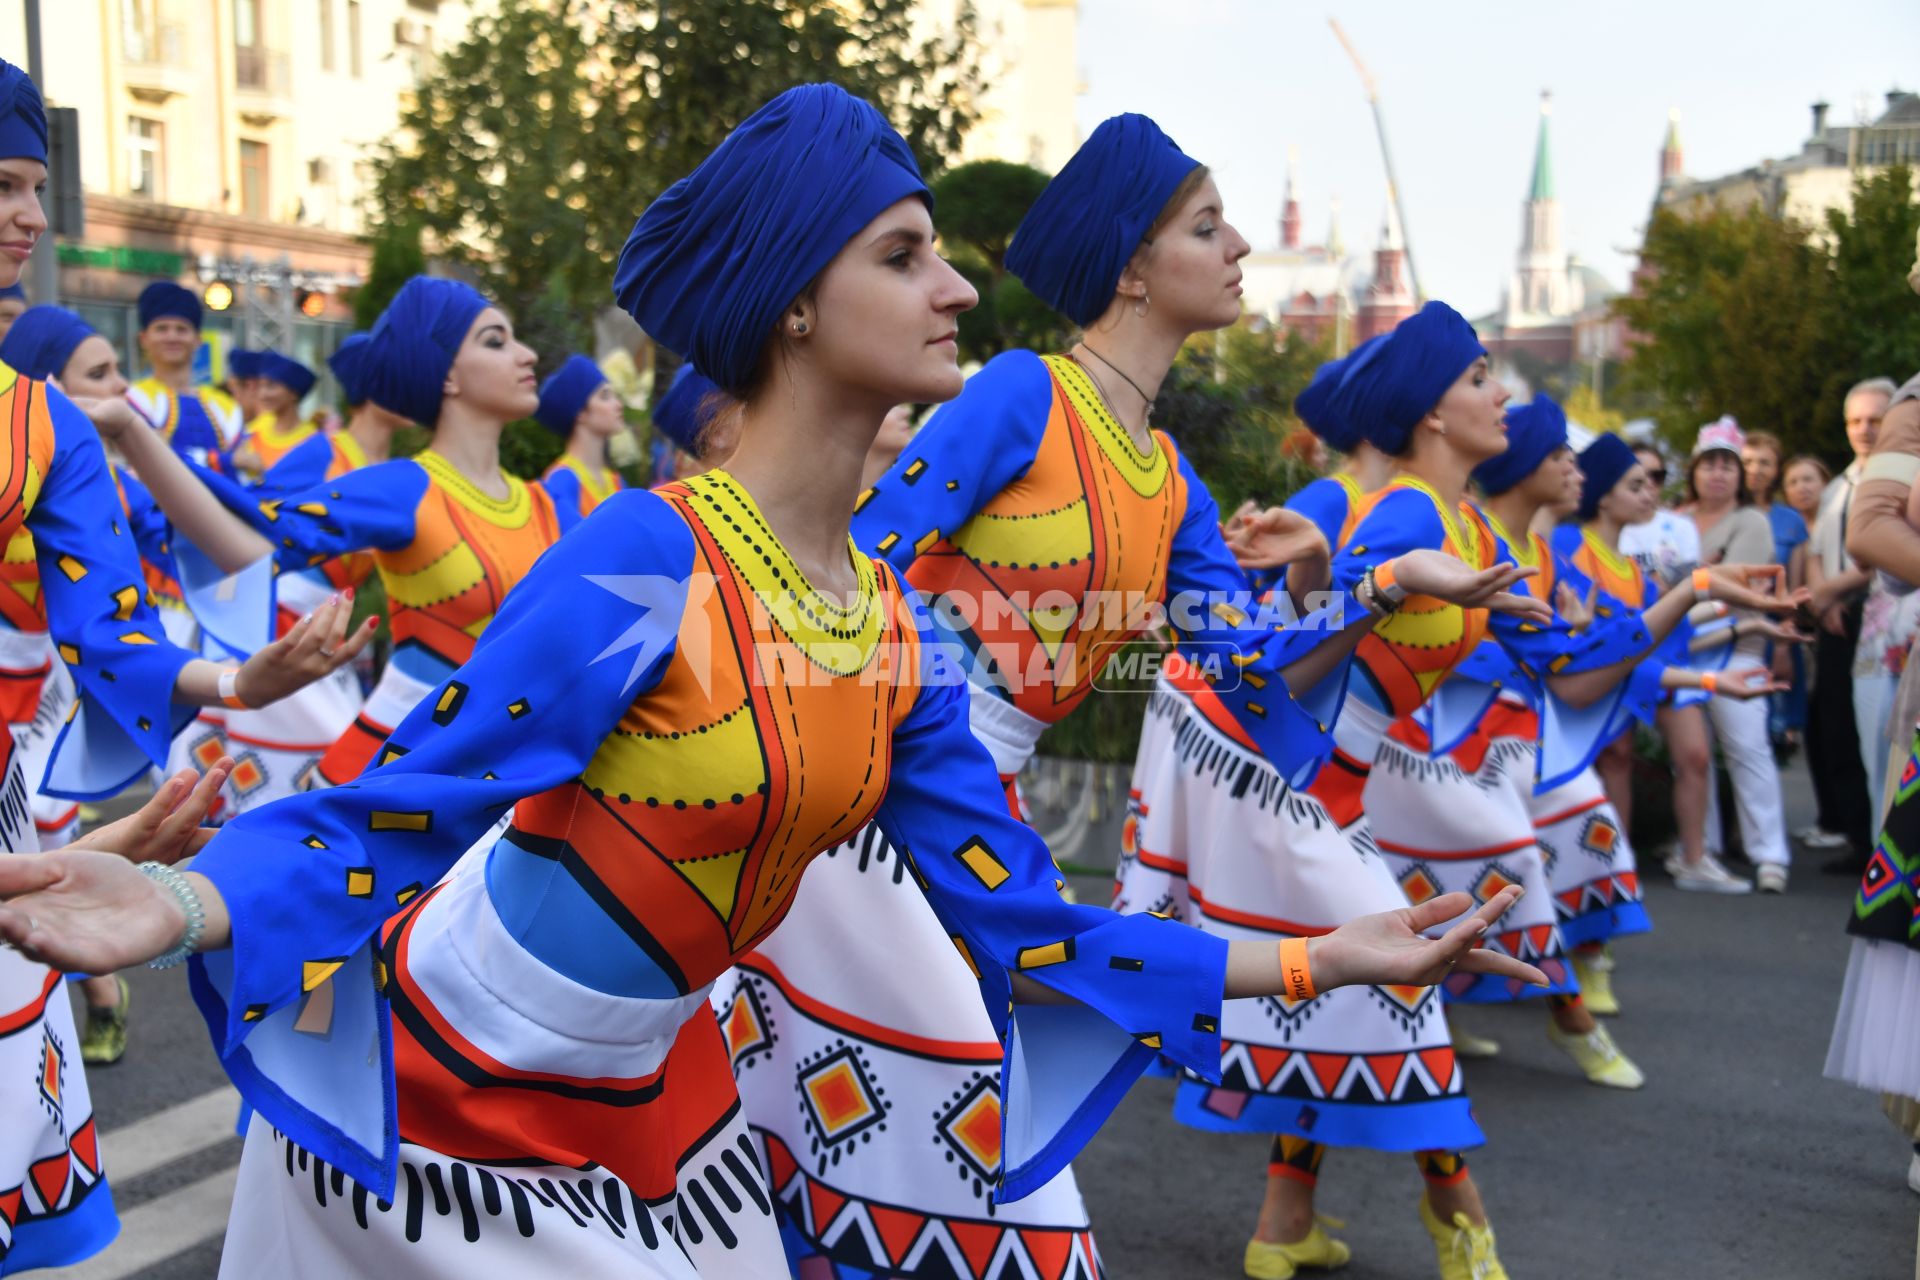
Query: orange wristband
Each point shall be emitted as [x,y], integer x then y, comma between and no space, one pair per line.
[1710,680]
[1703,583]
[1383,574]
[229,688]
[1296,974]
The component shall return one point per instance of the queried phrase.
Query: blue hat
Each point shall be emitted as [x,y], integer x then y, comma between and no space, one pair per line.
[712,263]
[42,340]
[413,344]
[285,370]
[349,365]
[1322,410]
[689,405]
[23,117]
[13,291]
[242,363]
[1602,463]
[1080,234]
[564,394]
[1386,389]
[164,298]
[1533,431]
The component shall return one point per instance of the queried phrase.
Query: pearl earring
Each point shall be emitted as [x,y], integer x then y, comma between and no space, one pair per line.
[1140,307]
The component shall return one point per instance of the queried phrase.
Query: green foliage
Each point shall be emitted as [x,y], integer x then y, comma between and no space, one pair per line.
[1228,404]
[1753,315]
[979,207]
[397,258]
[534,144]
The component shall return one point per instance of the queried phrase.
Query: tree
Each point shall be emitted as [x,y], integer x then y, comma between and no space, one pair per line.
[1876,317]
[978,207]
[534,144]
[397,258]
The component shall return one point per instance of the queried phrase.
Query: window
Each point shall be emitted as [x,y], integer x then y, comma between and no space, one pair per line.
[353,38]
[137,30]
[143,158]
[249,53]
[326,35]
[253,179]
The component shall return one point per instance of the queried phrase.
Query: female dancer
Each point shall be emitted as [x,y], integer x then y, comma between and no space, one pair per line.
[279,384]
[667,695]
[1876,1041]
[129,681]
[1044,521]
[578,404]
[449,531]
[1732,529]
[1218,833]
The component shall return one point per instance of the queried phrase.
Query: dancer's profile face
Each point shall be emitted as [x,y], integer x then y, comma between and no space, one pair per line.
[492,372]
[1633,498]
[1555,483]
[883,319]
[602,414]
[93,371]
[1191,267]
[1474,413]
[21,217]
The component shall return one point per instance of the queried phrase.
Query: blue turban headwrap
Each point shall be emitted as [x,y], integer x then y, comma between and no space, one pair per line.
[683,413]
[564,394]
[23,117]
[1602,463]
[1533,431]
[164,298]
[711,264]
[1322,410]
[413,344]
[13,291]
[242,363]
[42,340]
[1388,388]
[349,365]
[286,371]
[1074,243]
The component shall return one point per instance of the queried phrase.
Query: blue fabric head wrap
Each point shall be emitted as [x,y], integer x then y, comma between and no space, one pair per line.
[286,371]
[1322,410]
[1080,234]
[349,365]
[42,340]
[164,298]
[1388,388]
[565,392]
[1602,463]
[683,413]
[712,263]
[23,118]
[13,291]
[413,344]
[1533,431]
[242,363]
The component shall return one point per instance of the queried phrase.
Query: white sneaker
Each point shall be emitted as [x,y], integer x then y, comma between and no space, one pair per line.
[1468,1045]
[1816,837]
[1770,877]
[1708,876]
[1913,1174]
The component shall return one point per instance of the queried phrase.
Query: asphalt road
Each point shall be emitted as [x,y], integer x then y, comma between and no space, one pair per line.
[1736,1162]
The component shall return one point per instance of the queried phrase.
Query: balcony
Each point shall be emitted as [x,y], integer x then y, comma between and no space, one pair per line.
[263,84]
[153,61]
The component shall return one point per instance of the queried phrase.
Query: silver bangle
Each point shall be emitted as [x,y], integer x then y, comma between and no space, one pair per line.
[182,890]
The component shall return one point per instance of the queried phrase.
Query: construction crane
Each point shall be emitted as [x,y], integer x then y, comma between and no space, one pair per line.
[1386,155]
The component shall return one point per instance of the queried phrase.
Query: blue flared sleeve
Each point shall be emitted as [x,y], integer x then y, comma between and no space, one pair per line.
[124,669]
[1142,985]
[301,467]
[309,880]
[965,454]
[367,509]
[563,486]
[235,610]
[1241,645]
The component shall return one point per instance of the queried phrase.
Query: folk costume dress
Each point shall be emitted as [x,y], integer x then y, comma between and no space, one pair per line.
[54,1204]
[1038,533]
[270,444]
[576,488]
[521,1064]
[35,689]
[1220,837]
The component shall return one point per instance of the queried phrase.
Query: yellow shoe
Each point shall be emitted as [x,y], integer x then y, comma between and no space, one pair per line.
[1596,984]
[1599,1057]
[1279,1261]
[1466,1251]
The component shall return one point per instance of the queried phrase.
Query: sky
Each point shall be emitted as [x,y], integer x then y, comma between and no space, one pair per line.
[1235,82]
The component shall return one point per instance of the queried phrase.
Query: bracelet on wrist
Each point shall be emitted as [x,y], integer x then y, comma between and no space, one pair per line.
[1296,972]
[183,892]
[1710,681]
[1703,583]
[229,688]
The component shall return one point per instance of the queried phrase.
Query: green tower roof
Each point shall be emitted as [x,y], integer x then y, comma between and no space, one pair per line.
[1542,161]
